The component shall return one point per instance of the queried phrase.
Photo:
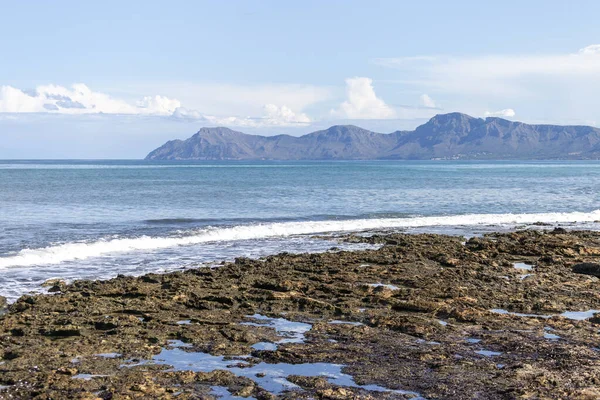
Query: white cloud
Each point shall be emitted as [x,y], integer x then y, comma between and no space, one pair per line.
[426,101]
[362,102]
[160,105]
[237,99]
[508,112]
[272,116]
[558,87]
[593,49]
[283,116]
[79,99]
[15,101]
[495,74]
[185,113]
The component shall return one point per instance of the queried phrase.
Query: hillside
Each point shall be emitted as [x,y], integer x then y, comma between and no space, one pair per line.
[445,136]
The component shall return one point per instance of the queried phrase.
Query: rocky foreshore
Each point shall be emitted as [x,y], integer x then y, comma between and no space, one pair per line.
[504,316]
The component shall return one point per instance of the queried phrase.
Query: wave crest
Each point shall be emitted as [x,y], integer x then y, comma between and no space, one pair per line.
[83,250]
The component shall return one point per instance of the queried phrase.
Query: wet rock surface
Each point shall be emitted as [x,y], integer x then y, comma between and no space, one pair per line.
[587,269]
[419,324]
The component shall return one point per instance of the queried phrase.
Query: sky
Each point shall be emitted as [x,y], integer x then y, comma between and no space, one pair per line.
[117,79]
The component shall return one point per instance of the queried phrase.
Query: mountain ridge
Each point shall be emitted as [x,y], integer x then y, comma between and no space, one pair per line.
[444,136]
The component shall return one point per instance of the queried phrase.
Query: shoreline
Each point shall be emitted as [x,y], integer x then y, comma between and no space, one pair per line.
[424,315]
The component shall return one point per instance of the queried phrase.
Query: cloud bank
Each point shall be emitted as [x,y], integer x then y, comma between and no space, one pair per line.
[79,99]
[213,98]
[361,103]
[272,116]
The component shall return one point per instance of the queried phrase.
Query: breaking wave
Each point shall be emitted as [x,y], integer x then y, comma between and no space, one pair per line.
[82,250]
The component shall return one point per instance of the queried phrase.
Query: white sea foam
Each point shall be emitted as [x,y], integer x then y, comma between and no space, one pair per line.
[82,250]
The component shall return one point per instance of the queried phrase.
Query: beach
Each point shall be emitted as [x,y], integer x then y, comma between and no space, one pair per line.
[502,316]
[299,200]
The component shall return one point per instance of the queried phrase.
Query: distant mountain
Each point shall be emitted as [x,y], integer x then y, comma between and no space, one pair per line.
[445,136]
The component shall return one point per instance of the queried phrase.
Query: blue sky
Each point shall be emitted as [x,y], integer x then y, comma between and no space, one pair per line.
[116,79]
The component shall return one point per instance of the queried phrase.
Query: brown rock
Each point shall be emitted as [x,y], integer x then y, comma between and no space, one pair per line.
[67,371]
[63,331]
[335,394]
[246,391]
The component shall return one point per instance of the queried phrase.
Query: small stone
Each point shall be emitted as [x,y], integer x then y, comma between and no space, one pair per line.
[67,371]
[55,282]
[246,391]
[335,394]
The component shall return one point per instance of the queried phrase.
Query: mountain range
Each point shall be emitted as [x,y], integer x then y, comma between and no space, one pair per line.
[445,136]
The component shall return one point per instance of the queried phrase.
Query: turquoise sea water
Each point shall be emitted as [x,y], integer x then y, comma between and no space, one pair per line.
[96,219]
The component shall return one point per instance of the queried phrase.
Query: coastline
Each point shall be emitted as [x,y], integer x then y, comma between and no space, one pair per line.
[425,315]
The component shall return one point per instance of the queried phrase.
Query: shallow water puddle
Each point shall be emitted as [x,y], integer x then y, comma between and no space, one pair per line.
[572,315]
[88,377]
[423,341]
[548,335]
[551,336]
[222,393]
[265,346]
[340,322]
[502,311]
[388,286]
[473,340]
[293,332]
[488,353]
[524,266]
[579,315]
[184,322]
[108,355]
[271,377]
[135,362]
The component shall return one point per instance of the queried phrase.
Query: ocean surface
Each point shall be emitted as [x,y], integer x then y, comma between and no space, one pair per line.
[96,219]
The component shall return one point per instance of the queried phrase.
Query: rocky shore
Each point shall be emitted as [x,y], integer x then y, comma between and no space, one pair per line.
[504,316]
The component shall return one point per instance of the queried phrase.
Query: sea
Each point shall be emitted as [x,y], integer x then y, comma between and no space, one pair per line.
[98,219]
